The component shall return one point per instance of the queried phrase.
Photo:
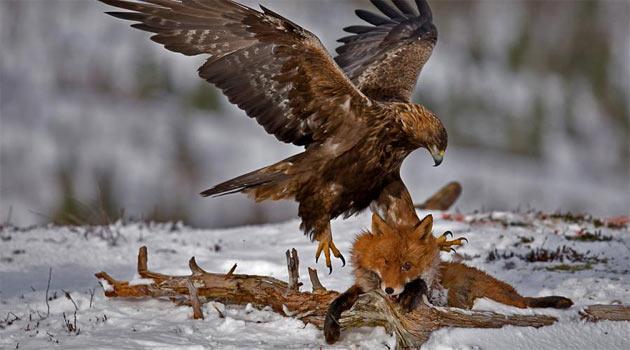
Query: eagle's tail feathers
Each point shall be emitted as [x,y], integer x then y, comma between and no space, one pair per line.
[251,180]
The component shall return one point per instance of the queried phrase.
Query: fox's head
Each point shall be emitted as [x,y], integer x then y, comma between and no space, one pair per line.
[397,255]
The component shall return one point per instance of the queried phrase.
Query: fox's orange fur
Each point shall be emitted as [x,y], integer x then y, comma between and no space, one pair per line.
[404,263]
[387,258]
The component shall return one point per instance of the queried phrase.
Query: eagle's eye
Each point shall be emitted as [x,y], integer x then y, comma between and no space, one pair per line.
[406,266]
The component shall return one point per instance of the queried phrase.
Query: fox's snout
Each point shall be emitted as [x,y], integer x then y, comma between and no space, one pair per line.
[392,291]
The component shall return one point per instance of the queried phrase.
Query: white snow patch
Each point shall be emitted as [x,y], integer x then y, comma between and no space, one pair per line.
[26,255]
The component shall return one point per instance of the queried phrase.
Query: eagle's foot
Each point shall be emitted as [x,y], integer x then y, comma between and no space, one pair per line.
[446,245]
[327,245]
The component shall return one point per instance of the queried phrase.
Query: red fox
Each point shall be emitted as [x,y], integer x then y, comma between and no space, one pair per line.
[405,264]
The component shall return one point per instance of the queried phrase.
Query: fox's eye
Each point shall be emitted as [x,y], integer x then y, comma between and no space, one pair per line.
[406,266]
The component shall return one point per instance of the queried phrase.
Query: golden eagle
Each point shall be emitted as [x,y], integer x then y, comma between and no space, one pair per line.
[352,114]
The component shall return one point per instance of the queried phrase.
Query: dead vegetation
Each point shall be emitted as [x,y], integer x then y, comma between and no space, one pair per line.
[619,222]
[587,236]
[71,326]
[373,309]
[560,254]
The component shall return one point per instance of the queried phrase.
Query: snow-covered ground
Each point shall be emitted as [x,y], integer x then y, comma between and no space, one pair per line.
[593,268]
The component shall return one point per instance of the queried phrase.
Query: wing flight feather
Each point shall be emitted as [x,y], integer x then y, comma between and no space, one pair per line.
[276,71]
[384,60]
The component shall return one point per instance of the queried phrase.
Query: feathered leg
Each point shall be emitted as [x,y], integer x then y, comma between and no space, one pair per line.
[395,206]
[315,213]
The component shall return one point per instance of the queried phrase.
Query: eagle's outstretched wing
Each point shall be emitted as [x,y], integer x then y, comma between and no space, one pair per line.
[384,60]
[276,71]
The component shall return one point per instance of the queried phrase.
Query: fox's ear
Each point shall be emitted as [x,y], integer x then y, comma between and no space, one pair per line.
[424,229]
[379,226]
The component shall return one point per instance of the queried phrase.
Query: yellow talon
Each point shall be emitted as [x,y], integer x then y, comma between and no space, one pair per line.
[327,245]
[446,245]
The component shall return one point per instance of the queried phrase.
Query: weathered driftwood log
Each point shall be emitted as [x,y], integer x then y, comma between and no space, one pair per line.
[596,313]
[443,199]
[372,309]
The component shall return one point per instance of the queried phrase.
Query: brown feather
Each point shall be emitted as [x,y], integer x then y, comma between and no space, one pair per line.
[282,76]
[384,61]
[276,71]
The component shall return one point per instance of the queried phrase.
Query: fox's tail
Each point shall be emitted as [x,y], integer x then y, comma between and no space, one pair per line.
[268,176]
[552,301]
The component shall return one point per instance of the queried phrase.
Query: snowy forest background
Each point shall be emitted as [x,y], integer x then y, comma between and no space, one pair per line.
[95,119]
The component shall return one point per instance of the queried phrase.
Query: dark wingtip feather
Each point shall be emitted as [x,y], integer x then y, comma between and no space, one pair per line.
[109,2]
[372,17]
[213,193]
[404,6]
[386,9]
[145,27]
[424,9]
[346,39]
[358,29]
[267,11]
[127,5]
[130,16]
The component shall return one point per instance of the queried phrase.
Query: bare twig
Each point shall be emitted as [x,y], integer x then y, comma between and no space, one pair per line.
[47,289]
[231,272]
[194,300]
[15,317]
[69,297]
[317,285]
[293,266]
[71,327]
[221,315]
[92,291]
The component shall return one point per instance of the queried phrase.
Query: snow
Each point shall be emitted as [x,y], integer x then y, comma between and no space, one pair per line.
[76,253]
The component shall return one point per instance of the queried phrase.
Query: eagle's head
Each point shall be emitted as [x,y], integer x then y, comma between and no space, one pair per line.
[438,140]
[426,130]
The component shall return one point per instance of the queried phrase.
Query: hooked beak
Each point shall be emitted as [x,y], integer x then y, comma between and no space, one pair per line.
[438,156]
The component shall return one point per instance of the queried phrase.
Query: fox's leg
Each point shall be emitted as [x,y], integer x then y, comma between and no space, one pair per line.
[332,329]
[324,236]
[506,294]
[411,297]
[465,284]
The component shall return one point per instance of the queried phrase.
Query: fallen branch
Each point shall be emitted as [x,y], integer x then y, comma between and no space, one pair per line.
[194,300]
[596,313]
[442,199]
[236,289]
[372,309]
[317,285]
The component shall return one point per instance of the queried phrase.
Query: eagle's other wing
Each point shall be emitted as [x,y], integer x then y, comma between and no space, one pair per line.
[276,71]
[384,60]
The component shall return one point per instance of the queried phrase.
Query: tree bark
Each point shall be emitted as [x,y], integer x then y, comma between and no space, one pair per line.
[596,313]
[372,309]
[443,199]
